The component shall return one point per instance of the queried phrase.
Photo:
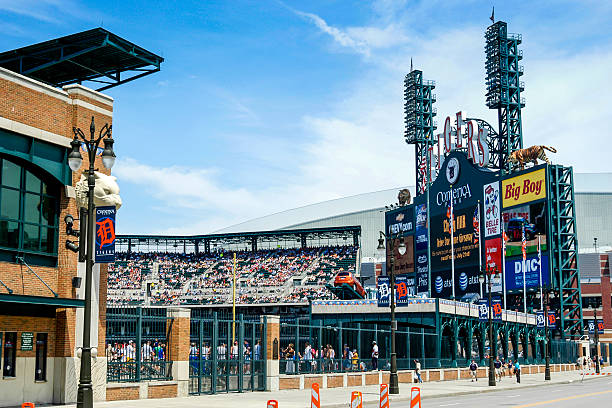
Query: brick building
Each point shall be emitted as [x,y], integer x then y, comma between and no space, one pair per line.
[596,287]
[41,304]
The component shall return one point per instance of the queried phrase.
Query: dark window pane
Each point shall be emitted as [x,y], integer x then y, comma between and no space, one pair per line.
[30,237]
[9,203]
[49,215]
[32,208]
[40,373]
[47,239]
[32,182]
[10,354]
[10,174]
[9,234]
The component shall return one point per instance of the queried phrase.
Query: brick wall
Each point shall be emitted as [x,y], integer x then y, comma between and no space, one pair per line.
[21,324]
[34,106]
[162,391]
[178,349]
[123,393]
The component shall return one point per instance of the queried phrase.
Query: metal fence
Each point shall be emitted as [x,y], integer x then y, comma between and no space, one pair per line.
[137,344]
[226,355]
[323,349]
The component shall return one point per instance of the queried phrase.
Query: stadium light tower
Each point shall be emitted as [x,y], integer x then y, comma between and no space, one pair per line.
[75,160]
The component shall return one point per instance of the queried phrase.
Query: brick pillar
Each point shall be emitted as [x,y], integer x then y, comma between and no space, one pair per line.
[272,352]
[178,349]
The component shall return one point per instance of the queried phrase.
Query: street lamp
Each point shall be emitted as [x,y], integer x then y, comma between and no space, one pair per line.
[547,339]
[393,380]
[481,278]
[85,390]
[594,309]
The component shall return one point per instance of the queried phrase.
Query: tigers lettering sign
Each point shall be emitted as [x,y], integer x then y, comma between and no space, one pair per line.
[524,188]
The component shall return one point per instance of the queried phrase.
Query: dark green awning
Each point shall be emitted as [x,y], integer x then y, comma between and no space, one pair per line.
[49,157]
[41,300]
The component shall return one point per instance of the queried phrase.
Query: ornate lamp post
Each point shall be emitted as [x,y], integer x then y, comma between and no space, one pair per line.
[596,334]
[546,340]
[482,279]
[85,390]
[393,380]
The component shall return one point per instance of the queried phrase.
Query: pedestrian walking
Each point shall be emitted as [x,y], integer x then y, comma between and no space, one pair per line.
[498,368]
[417,370]
[517,371]
[374,356]
[474,370]
[510,368]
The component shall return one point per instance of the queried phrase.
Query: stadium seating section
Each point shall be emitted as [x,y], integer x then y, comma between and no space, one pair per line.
[271,276]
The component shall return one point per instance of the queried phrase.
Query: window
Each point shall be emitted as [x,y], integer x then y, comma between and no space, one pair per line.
[10,354]
[591,301]
[41,357]
[29,209]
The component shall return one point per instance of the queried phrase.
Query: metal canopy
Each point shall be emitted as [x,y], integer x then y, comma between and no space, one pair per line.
[95,55]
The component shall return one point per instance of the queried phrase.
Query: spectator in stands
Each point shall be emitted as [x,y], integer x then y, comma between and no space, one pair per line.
[289,353]
[374,356]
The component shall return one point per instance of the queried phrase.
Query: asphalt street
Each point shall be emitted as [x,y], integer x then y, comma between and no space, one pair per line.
[592,393]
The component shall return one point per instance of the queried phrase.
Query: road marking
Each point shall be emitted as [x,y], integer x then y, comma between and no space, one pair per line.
[517,395]
[450,405]
[534,404]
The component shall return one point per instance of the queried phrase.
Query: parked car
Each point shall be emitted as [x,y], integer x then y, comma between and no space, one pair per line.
[515,229]
[349,278]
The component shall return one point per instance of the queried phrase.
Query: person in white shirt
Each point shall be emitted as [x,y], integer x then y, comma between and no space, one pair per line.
[147,351]
[308,356]
[374,356]
[131,351]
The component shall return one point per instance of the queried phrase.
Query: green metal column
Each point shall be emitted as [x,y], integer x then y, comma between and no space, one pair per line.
[455,338]
[439,333]
[340,350]
[200,346]
[138,344]
[423,345]
[215,357]
[359,339]
[240,362]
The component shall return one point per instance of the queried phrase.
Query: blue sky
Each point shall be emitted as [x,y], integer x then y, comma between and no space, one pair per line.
[263,106]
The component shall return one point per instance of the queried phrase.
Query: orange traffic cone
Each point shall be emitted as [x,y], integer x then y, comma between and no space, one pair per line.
[272,404]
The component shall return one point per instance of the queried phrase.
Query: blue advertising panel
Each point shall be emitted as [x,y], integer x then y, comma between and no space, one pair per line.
[552,320]
[514,272]
[383,294]
[105,234]
[483,309]
[422,274]
[541,323]
[420,239]
[592,325]
[401,290]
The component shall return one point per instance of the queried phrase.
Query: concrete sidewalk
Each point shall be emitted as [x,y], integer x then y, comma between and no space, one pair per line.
[340,397]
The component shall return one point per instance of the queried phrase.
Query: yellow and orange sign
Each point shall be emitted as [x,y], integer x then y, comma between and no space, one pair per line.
[524,188]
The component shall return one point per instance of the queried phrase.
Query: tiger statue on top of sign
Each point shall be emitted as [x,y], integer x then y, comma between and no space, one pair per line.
[530,154]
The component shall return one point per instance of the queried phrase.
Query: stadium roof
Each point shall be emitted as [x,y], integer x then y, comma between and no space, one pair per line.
[584,183]
[95,55]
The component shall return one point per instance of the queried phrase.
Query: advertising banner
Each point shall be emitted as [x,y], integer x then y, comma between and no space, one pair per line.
[514,272]
[540,322]
[383,291]
[466,282]
[465,245]
[421,227]
[422,274]
[492,223]
[592,325]
[400,222]
[552,320]
[105,234]
[493,262]
[496,306]
[524,188]
[532,219]
[402,263]
[401,290]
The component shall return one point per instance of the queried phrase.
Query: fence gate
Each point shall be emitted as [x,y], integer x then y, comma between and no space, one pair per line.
[137,344]
[226,356]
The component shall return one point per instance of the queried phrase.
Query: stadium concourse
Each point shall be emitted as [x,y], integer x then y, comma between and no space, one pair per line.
[292,275]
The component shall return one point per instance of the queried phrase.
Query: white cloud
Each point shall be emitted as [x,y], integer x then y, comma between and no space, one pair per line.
[357,145]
